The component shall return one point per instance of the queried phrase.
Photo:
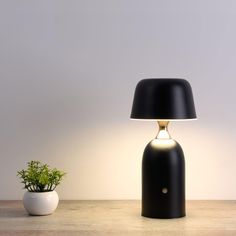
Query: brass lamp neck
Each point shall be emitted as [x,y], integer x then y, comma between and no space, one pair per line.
[163,132]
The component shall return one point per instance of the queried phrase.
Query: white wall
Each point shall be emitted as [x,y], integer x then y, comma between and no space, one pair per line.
[68,70]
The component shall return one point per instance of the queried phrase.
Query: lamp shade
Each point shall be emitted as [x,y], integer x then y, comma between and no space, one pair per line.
[163,99]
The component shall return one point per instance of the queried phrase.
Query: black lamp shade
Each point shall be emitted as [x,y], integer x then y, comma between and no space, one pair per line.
[163,99]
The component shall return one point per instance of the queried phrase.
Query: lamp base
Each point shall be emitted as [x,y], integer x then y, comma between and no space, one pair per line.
[163,180]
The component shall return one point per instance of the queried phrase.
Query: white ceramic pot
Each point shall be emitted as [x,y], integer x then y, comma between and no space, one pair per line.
[40,203]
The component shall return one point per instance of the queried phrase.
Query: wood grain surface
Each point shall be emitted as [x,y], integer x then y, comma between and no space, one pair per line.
[103,218]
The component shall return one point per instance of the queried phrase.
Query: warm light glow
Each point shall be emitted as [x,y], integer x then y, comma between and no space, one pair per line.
[163,134]
[163,138]
[163,143]
[163,130]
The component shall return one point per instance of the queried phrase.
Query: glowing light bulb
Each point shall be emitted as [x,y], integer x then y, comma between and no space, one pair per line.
[163,138]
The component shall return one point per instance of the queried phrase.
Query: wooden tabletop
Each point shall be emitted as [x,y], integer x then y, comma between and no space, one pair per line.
[103,218]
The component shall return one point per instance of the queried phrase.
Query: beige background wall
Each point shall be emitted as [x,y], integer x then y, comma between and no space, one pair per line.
[68,70]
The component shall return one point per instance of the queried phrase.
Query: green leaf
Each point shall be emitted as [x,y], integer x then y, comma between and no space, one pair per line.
[38,177]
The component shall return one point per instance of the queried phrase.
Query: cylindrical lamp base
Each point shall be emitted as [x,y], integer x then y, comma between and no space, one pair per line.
[163,180]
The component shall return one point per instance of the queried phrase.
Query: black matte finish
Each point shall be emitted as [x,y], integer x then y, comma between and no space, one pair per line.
[163,167]
[163,99]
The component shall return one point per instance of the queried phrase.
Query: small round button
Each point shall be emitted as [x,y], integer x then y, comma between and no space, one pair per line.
[164,190]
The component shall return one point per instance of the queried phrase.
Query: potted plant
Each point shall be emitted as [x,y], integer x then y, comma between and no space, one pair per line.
[40,181]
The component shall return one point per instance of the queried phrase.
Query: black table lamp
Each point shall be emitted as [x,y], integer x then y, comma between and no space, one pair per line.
[163,165]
